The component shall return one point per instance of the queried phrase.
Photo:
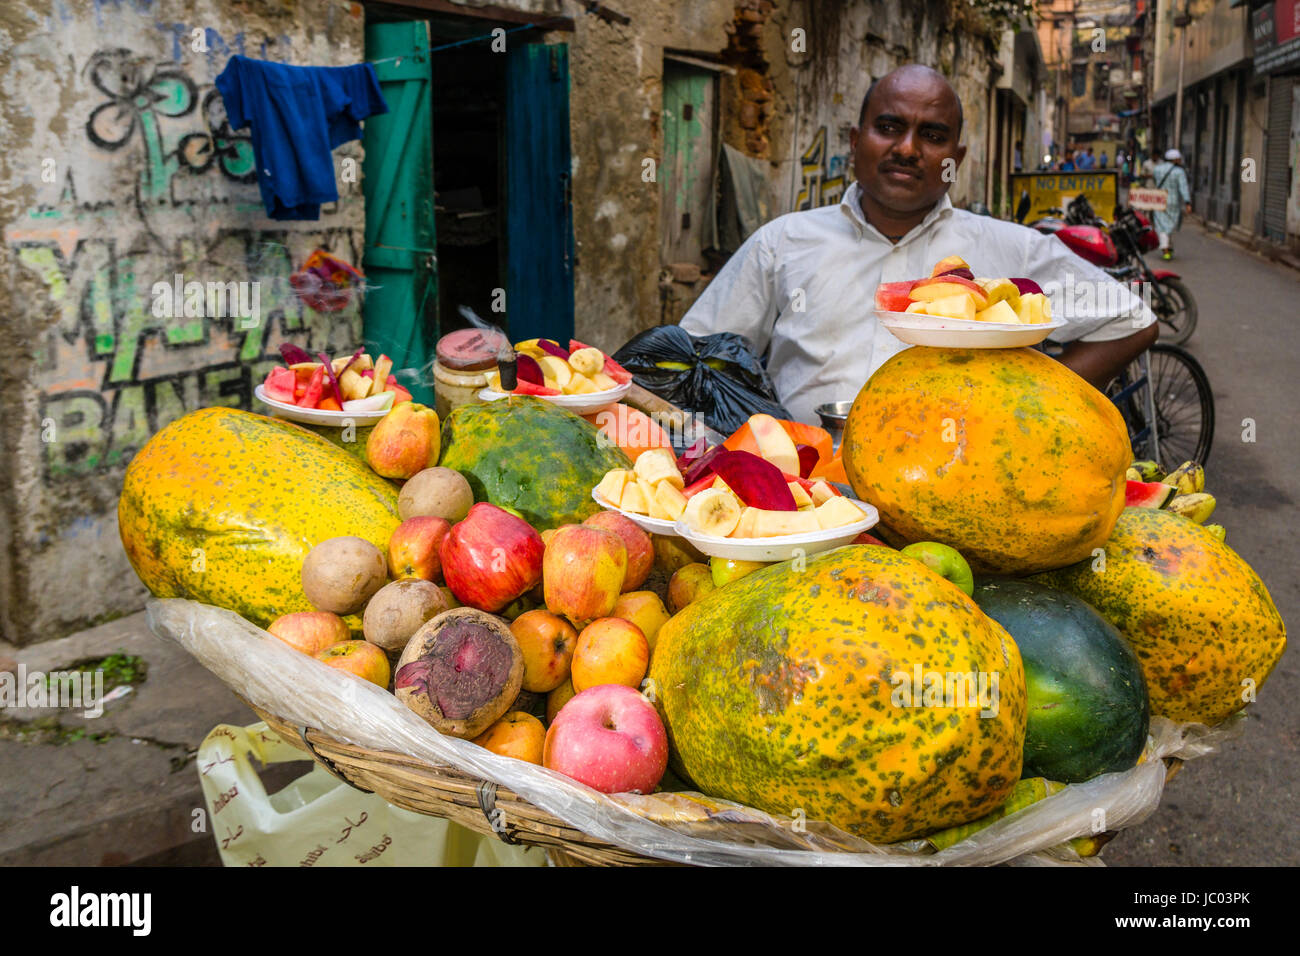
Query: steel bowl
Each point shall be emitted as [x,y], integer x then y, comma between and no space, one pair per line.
[833,416]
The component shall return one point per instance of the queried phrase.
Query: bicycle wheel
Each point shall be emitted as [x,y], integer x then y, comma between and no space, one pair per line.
[1174,306]
[1184,405]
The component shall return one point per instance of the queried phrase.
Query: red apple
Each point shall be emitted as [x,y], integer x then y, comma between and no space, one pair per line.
[610,738]
[491,558]
[939,287]
[583,572]
[640,549]
[414,546]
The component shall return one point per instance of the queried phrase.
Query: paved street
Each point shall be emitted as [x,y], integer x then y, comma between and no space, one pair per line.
[1237,807]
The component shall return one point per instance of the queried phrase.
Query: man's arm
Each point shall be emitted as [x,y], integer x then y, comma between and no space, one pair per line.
[1099,362]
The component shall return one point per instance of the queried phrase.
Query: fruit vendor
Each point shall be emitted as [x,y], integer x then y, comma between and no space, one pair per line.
[801,287]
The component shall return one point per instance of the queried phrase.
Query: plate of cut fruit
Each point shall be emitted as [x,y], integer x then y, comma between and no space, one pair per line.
[954,309]
[734,503]
[352,389]
[579,378]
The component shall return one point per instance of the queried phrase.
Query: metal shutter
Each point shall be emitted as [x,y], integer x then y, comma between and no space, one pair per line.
[1277,162]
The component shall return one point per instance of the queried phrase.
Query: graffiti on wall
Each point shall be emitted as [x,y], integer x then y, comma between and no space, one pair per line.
[158,189]
[824,179]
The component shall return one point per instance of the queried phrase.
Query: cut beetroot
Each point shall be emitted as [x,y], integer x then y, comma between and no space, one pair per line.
[461,672]
[293,354]
[527,370]
[691,455]
[894,296]
[808,459]
[703,466]
[1026,286]
[553,348]
[962,273]
[756,481]
[1148,494]
[333,379]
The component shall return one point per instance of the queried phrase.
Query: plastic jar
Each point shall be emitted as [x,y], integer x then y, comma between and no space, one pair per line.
[462,358]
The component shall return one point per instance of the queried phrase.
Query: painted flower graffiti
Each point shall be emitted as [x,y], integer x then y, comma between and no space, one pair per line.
[141,91]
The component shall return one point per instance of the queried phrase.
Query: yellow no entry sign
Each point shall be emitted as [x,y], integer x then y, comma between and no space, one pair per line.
[1053,191]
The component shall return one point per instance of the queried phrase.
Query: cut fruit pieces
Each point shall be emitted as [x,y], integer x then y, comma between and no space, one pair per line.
[659,464]
[774,444]
[581,385]
[612,485]
[745,527]
[756,481]
[771,524]
[999,312]
[801,498]
[587,361]
[948,286]
[838,512]
[556,368]
[633,498]
[713,512]
[670,500]
[822,492]
[953,307]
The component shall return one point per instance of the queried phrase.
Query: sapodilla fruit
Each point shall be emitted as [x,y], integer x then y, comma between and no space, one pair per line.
[713,512]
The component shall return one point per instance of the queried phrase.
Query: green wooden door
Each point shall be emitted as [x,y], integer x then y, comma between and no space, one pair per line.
[401,262]
[686,209]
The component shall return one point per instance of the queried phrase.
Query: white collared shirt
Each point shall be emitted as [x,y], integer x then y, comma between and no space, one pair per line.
[802,289]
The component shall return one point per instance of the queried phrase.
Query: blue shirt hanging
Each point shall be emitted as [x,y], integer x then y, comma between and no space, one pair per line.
[297,115]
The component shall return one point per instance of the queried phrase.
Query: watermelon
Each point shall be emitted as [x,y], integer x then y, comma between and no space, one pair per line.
[530,455]
[894,296]
[279,384]
[1148,494]
[1088,706]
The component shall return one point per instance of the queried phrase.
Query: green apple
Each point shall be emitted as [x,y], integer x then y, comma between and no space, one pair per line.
[944,561]
[726,570]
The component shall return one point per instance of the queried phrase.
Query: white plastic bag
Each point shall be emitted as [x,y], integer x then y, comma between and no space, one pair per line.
[320,821]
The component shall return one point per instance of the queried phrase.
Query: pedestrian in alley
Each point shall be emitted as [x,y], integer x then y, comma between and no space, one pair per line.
[1105,161]
[1170,176]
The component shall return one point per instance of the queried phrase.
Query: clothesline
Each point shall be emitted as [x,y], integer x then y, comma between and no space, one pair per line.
[475,39]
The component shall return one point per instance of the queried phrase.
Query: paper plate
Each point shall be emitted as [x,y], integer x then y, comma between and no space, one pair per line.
[783,547]
[938,332]
[587,404]
[644,522]
[316,416]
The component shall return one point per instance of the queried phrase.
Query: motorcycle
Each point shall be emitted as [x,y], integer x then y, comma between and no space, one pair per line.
[1118,248]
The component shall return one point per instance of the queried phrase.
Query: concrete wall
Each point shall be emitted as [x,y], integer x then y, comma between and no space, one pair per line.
[117,171]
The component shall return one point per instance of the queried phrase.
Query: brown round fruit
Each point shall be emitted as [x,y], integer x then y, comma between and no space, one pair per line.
[461,672]
[400,609]
[440,492]
[341,574]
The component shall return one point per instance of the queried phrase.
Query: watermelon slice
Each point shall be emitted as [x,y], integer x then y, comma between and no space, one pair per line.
[279,385]
[1148,494]
[528,388]
[399,394]
[315,389]
[615,371]
[894,296]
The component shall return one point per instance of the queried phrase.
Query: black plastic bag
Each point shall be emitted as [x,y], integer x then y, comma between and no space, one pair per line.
[717,377]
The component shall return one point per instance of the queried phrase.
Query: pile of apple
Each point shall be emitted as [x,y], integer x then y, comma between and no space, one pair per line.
[724,493]
[545,367]
[532,645]
[953,292]
[355,384]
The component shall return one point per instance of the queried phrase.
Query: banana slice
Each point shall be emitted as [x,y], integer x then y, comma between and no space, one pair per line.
[587,361]
[712,511]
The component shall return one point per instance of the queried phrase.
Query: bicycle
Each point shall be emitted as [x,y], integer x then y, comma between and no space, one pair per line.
[1165,398]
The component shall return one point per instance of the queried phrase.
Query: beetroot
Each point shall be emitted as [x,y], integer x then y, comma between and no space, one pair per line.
[962,273]
[756,481]
[461,672]
[293,354]
[529,371]
[692,454]
[808,459]
[1026,286]
[553,348]
[703,466]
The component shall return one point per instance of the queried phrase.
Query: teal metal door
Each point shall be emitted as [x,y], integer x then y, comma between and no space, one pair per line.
[401,262]
[539,212]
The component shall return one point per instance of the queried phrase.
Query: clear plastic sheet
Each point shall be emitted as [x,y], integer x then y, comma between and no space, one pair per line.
[683,828]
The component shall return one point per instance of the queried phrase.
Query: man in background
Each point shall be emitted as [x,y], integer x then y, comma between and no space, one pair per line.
[1170,176]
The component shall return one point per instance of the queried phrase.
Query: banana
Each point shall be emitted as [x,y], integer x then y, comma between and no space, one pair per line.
[587,361]
[1149,470]
[1197,507]
[1218,530]
[713,512]
[658,464]
[1188,478]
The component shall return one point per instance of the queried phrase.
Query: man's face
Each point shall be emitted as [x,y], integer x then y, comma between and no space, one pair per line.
[907,143]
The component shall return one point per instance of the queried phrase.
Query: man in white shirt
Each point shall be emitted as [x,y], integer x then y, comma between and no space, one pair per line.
[802,287]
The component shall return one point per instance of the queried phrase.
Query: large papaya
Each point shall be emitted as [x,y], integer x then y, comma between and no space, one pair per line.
[222,506]
[1004,454]
[1204,627]
[530,455]
[848,690]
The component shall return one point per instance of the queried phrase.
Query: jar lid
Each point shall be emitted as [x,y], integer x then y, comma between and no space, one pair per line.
[470,350]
